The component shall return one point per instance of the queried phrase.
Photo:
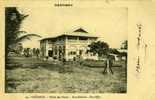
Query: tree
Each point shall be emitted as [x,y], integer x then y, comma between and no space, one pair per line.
[13,22]
[37,52]
[124,45]
[34,51]
[114,51]
[101,48]
[27,52]
[19,48]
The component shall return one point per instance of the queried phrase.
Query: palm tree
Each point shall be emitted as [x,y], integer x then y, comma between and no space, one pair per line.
[13,35]
[124,45]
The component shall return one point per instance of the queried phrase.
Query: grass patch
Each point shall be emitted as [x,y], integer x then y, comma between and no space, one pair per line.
[35,76]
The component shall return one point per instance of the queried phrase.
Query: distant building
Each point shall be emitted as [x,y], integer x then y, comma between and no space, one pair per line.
[68,46]
[123,57]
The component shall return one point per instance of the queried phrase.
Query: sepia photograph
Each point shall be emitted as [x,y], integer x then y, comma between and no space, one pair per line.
[66,50]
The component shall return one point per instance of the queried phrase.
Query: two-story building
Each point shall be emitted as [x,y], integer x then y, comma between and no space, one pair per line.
[68,46]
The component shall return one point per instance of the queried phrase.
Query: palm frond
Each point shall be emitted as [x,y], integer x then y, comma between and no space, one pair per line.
[27,37]
[20,32]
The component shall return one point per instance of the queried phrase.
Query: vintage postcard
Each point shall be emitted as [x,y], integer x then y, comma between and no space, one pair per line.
[77,50]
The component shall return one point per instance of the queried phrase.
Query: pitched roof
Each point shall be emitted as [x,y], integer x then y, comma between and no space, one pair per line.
[77,32]
[80,30]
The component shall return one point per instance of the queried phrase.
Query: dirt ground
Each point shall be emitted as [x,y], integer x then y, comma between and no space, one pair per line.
[31,75]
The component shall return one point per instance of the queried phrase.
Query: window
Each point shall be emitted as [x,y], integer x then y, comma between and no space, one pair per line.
[60,49]
[72,53]
[50,53]
[55,50]
[80,52]
[87,51]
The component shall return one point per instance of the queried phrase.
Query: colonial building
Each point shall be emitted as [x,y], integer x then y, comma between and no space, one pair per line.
[68,46]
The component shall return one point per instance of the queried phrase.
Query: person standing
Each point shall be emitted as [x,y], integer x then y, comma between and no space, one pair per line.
[108,66]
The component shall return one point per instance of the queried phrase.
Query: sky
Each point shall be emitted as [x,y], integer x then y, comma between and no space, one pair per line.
[110,24]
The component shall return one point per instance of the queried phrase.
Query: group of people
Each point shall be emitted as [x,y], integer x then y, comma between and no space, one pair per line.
[27,52]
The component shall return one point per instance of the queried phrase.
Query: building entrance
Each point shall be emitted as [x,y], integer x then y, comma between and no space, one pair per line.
[50,53]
